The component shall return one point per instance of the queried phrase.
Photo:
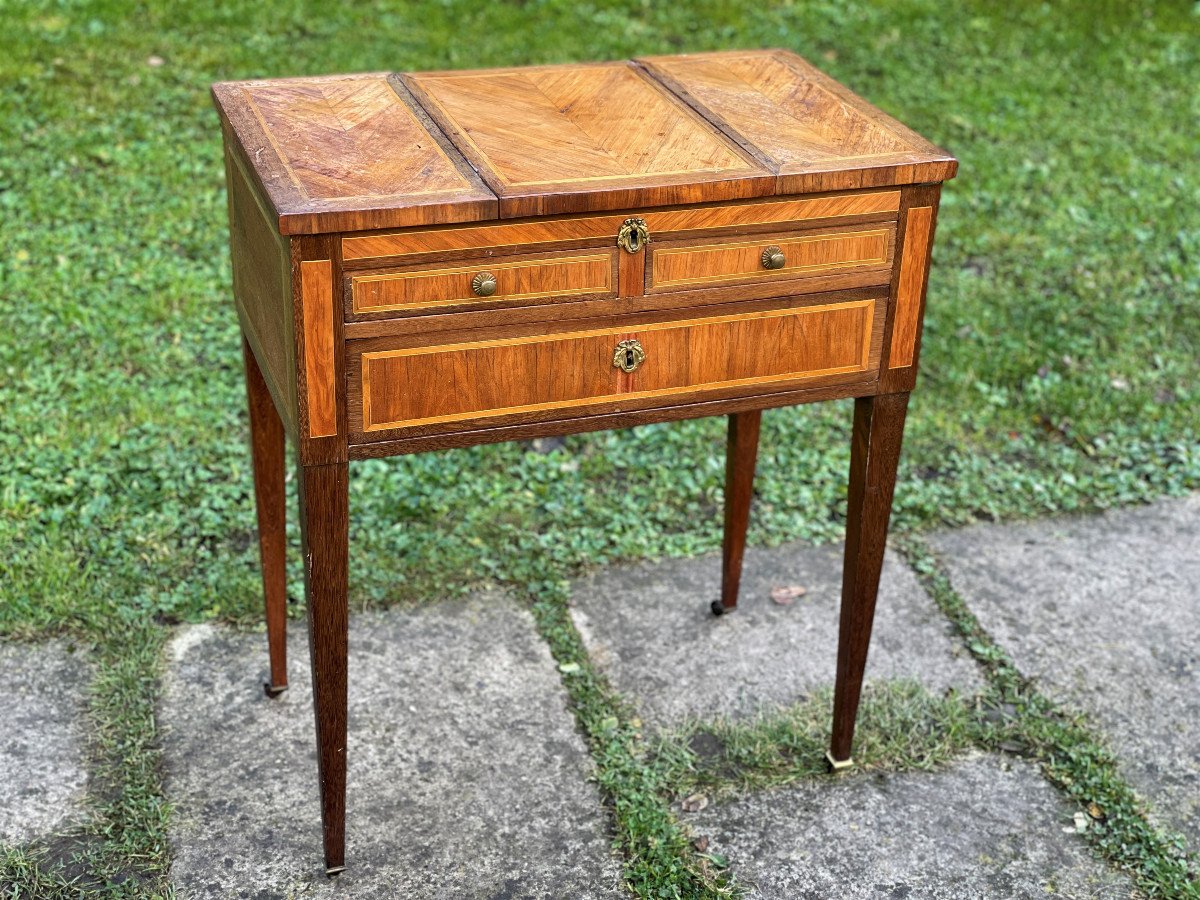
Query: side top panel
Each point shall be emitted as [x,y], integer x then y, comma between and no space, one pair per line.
[350,152]
[815,133]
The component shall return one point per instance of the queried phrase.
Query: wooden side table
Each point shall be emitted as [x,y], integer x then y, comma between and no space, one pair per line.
[434,260]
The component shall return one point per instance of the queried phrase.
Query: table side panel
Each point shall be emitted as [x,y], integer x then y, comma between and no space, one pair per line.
[262,287]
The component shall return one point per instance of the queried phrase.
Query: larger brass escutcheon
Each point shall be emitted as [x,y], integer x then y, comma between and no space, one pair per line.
[634,234]
[628,355]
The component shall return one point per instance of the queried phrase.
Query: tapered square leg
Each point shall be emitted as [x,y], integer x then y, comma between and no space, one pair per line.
[267,454]
[874,457]
[324,528]
[741,453]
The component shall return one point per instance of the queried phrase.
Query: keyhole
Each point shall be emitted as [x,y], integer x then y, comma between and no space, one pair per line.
[628,359]
[635,242]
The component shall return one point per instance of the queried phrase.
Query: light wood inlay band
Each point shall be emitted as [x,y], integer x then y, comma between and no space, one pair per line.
[316,293]
[913,260]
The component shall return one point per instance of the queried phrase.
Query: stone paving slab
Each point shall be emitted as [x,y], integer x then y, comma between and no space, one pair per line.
[1105,612]
[43,771]
[466,775]
[649,627]
[986,827]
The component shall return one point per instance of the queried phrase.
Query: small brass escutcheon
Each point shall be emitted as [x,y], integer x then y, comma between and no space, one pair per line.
[484,284]
[634,234]
[773,258]
[628,355]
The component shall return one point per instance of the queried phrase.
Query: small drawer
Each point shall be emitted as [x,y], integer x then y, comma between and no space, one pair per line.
[524,280]
[770,257]
[634,365]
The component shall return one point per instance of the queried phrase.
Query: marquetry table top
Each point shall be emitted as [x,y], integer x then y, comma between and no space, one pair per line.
[383,150]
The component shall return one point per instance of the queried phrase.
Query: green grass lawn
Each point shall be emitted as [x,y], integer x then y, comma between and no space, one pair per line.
[1060,366]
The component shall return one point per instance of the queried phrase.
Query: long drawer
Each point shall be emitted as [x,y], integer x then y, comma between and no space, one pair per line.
[528,377]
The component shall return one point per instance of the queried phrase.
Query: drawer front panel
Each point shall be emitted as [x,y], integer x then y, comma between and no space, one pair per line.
[715,264]
[663,223]
[477,381]
[590,275]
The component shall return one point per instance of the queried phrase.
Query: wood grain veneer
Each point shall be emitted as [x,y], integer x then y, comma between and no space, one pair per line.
[517,278]
[907,337]
[316,291]
[912,284]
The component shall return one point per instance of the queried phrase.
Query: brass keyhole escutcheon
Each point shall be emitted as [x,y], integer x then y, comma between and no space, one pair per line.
[628,355]
[634,235]
[773,258]
[484,284]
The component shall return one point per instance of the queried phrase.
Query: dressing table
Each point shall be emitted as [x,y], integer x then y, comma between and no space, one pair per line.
[441,259]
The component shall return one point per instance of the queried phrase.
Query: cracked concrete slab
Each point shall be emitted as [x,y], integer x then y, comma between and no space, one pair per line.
[43,767]
[649,627]
[1105,612]
[466,775]
[984,827]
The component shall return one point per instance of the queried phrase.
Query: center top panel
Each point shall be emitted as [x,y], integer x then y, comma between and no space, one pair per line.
[556,139]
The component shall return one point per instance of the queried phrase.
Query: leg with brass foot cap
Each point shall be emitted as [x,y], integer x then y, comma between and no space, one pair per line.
[336,870]
[741,452]
[270,495]
[273,690]
[836,765]
[324,534]
[874,455]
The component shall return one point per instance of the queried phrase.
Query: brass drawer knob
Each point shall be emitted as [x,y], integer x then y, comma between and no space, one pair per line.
[484,284]
[773,258]
[628,356]
[634,234]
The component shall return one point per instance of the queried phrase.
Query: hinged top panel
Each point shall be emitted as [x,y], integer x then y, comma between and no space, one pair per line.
[365,152]
[350,152]
[557,139]
[803,125]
